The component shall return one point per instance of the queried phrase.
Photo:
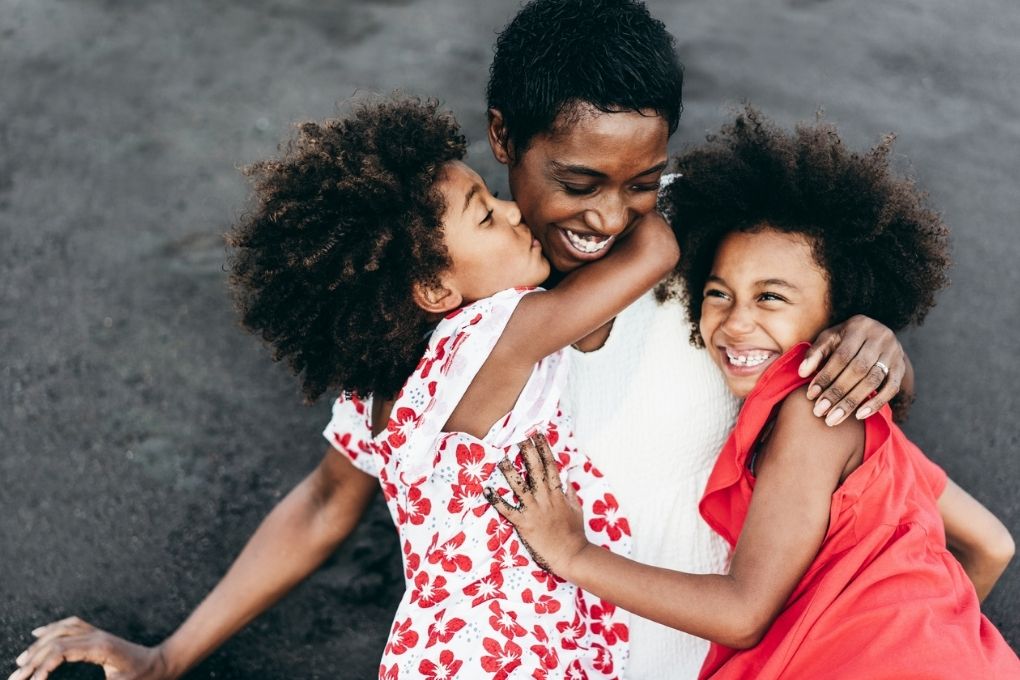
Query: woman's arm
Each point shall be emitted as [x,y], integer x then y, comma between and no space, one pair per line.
[547,321]
[294,539]
[849,359]
[978,539]
[801,465]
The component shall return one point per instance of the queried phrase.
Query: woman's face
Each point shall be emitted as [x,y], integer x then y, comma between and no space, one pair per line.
[588,181]
[765,294]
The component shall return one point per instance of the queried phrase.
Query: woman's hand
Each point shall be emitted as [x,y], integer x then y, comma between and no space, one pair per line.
[74,640]
[548,519]
[861,357]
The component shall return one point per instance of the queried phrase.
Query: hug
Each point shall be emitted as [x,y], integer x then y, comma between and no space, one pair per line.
[700,492]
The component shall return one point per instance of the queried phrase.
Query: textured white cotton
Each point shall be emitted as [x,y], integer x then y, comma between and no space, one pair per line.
[652,412]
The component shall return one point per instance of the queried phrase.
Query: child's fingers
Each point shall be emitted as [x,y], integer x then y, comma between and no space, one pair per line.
[514,479]
[508,511]
[552,473]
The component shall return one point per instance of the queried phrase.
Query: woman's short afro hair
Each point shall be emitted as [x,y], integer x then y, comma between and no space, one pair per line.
[885,252]
[345,222]
[555,55]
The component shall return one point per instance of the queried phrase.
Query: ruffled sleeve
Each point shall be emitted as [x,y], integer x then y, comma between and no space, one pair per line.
[350,432]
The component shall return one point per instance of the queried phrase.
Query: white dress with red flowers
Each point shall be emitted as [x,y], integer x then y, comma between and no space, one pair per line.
[476,604]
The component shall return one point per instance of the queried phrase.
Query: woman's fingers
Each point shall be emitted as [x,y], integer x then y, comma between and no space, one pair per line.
[863,357]
[56,651]
[890,388]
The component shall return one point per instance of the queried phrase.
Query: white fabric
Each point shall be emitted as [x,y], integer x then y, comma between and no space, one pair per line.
[652,413]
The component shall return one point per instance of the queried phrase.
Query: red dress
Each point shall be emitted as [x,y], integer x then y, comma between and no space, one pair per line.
[883,598]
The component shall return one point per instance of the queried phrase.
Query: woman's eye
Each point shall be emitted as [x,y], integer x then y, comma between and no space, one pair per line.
[579,191]
[645,187]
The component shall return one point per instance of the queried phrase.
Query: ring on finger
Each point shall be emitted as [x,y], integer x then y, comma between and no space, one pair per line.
[883,367]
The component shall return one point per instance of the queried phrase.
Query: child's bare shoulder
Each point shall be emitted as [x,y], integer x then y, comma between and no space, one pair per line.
[798,429]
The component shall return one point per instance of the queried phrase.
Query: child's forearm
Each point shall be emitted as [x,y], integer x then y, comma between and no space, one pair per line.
[593,294]
[710,606]
[979,540]
[294,539]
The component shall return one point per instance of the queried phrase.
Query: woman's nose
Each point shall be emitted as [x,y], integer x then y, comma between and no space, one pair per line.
[610,217]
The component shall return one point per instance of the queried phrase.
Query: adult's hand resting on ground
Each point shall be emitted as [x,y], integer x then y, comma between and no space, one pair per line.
[852,377]
[72,639]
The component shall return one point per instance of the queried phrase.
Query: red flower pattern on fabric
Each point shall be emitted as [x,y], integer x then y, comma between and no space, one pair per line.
[402,637]
[427,593]
[605,623]
[444,670]
[505,621]
[448,556]
[443,630]
[501,660]
[608,519]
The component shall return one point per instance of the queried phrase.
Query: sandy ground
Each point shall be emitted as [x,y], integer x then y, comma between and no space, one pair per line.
[144,435]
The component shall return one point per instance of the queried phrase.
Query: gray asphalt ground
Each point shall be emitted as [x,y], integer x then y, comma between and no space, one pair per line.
[144,434]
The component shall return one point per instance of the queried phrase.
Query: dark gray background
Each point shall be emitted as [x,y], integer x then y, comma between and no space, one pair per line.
[144,435]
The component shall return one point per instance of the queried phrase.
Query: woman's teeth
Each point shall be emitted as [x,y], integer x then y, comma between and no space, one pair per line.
[587,243]
[748,359]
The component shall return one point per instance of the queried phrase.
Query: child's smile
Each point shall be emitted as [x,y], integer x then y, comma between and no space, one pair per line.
[765,294]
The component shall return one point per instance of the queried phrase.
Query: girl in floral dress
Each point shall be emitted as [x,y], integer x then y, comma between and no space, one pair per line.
[401,262]
[854,555]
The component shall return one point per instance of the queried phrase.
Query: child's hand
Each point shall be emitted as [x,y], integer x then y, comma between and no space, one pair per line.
[548,519]
[73,640]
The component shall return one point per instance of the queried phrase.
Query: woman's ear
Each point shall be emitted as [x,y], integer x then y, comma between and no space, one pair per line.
[498,137]
[437,298]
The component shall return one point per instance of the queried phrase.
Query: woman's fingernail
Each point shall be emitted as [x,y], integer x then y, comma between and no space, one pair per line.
[834,417]
[22,659]
[38,631]
[821,406]
[803,370]
[813,391]
[863,413]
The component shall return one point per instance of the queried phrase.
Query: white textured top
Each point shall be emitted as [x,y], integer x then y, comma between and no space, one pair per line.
[652,413]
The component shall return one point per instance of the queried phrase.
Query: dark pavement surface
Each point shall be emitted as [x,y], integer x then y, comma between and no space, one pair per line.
[144,435]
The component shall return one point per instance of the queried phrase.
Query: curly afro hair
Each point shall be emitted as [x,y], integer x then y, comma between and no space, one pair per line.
[557,54]
[885,252]
[345,221]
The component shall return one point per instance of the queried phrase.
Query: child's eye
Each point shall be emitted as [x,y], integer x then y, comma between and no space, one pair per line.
[771,297]
[487,218]
[714,292]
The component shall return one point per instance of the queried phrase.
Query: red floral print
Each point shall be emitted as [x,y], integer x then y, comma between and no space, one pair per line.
[443,630]
[427,593]
[444,670]
[605,623]
[402,637]
[501,660]
[608,519]
[505,621]
[416,509]
[447,554]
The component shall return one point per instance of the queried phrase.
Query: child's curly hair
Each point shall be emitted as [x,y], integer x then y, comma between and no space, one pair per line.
[884,251]
[345,222]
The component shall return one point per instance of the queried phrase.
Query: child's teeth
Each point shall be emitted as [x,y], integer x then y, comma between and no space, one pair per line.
[752,359]
[587,243]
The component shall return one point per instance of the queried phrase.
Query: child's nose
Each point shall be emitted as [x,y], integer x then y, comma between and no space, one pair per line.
[513,213]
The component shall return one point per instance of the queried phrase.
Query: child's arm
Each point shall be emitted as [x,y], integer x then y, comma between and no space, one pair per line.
[978,539]
[801,465]
[547,321]
[294,539]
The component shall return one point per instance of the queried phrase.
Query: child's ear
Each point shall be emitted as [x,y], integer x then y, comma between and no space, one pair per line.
[499,140]
[437,298]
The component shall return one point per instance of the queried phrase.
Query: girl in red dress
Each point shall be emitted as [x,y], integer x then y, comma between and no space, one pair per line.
[854,555]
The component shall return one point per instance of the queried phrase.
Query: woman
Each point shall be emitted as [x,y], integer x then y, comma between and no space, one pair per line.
[582,126]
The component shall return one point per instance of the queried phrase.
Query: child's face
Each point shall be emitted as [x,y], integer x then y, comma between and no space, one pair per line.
[490,247]
[765,294]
